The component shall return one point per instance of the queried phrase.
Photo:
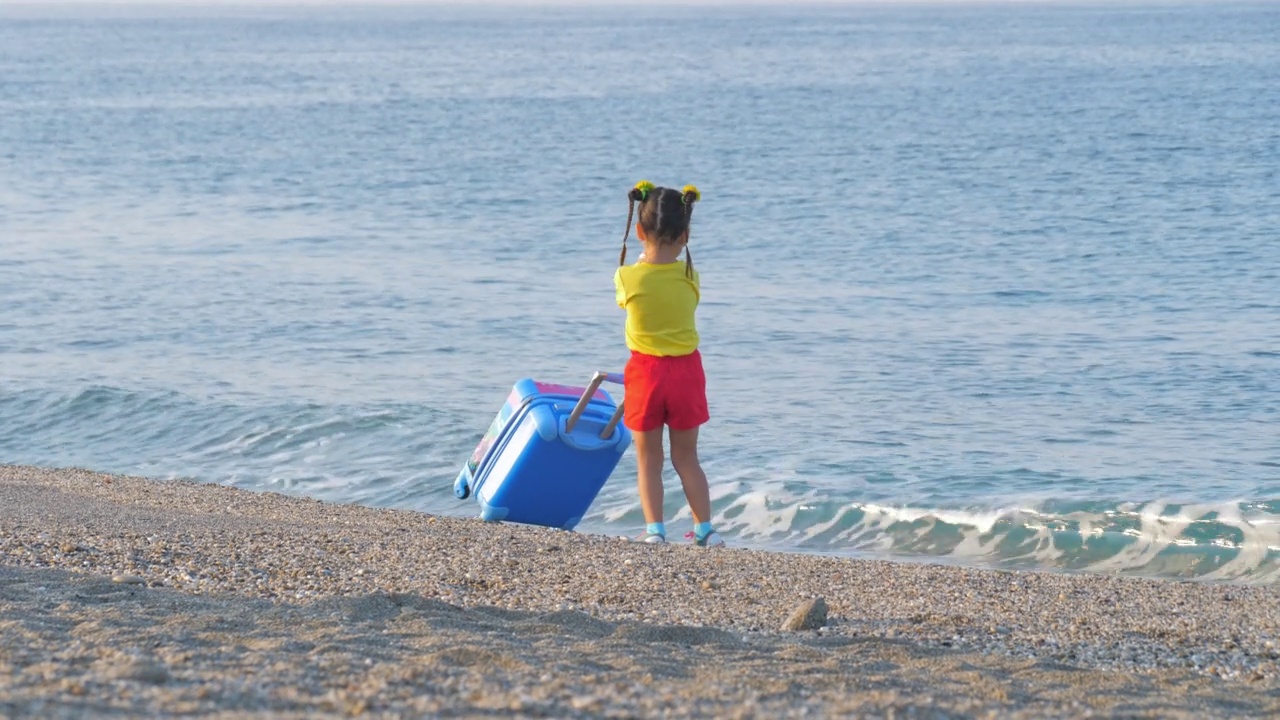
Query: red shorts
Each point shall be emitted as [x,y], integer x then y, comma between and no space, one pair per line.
[669,391]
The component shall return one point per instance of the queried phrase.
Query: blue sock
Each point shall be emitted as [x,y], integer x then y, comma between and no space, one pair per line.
[701,530]
[656,529]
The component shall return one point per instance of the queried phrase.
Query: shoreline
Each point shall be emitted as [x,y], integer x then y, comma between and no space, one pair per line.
[138,596]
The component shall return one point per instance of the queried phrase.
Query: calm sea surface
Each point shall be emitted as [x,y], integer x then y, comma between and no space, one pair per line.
[987,285]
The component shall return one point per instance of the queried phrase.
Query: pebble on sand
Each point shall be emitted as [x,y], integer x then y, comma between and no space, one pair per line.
[810,615]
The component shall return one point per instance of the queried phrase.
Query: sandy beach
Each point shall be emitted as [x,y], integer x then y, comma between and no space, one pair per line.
[127,597]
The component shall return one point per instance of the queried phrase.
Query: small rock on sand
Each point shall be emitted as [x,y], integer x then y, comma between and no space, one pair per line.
[810,615]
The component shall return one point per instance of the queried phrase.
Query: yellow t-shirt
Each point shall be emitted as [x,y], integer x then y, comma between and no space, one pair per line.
[659,300]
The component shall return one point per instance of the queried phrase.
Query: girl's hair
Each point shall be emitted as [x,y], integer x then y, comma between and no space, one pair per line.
[664,214]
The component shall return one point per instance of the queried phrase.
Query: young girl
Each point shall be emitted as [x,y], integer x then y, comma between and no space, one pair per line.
[664,382]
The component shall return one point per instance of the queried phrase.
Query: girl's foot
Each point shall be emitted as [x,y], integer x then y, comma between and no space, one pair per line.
[651,538]
[710,540]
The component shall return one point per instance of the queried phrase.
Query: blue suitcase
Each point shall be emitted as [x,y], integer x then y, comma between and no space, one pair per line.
[547,453]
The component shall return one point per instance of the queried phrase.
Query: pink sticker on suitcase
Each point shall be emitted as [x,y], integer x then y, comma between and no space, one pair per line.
[554,389]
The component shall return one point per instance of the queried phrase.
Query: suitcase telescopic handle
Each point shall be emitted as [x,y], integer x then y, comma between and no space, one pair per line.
[594,385]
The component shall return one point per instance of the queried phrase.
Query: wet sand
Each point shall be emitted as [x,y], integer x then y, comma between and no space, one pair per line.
[130,597]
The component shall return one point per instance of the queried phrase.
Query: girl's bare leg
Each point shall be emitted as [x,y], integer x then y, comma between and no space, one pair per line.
[684,456]
[649,461]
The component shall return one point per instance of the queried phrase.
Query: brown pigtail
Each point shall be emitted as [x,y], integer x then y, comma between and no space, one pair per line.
[634,195]
[689,196]
[626,232]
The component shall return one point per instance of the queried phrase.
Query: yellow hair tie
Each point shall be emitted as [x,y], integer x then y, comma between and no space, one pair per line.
[687,189]
[645,187]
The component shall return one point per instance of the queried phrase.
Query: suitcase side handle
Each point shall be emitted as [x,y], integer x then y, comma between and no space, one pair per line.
[594,385]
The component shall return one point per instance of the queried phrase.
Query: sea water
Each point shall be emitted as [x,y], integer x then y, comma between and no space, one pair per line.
[995,285]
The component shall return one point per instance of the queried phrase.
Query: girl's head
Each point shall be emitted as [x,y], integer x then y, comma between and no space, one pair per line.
[663,219]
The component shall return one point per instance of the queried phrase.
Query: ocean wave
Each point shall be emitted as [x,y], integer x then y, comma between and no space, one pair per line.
[1224,541]
[382,455]
[405,455]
